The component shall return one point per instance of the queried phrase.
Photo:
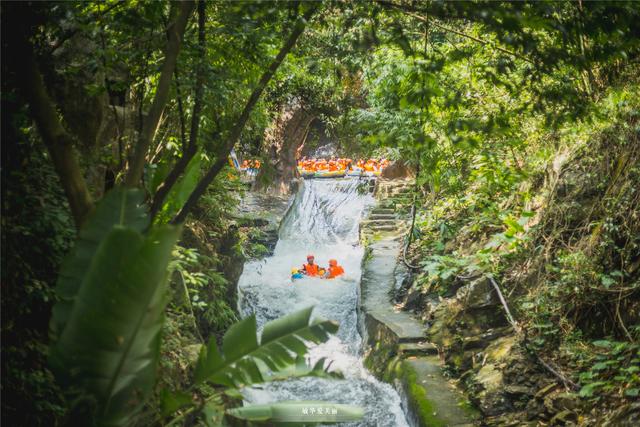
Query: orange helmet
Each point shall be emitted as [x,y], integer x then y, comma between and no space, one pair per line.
[333,262]
[310,256]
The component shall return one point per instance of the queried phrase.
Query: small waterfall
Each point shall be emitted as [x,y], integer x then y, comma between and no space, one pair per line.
[323,221]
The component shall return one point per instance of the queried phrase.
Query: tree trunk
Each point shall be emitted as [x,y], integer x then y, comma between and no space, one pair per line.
[56,138]
[283,139]
[191,148]
[176,31]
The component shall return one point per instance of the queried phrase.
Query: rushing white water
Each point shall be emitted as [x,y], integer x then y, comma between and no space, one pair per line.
[323,221]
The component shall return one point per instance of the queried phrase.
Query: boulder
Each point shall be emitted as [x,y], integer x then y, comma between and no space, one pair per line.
[397,170]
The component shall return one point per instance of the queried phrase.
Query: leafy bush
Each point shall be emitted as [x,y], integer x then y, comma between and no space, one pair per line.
[614,373]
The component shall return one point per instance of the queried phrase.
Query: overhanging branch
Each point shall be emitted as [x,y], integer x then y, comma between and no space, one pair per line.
[225,149]
[410,12]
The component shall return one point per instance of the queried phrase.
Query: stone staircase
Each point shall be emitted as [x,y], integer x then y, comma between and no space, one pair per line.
[391,215]
[395,194]
[397,349]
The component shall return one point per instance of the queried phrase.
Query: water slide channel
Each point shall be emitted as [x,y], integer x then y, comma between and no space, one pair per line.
[323,221]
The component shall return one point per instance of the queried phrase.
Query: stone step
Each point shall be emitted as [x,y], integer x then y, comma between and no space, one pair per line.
[374,222]
[402,192]
[402,199]
[382,211]
[417,349]
[384,228]
[388,204]
[377,216]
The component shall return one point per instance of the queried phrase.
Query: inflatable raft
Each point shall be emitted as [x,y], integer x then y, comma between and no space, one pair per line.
[306,173]
[329,174]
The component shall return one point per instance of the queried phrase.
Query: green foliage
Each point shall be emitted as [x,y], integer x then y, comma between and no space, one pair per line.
[204,288]
[614,372]
[244,358]
[108,326]
[181,190]
[37,231]
[497,104]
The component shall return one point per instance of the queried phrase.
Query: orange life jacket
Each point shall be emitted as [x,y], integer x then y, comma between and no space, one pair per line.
[311,269]
[335,271]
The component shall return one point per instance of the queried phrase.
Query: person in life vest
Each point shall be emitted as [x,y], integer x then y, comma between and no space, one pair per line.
[334,270]
[310,268]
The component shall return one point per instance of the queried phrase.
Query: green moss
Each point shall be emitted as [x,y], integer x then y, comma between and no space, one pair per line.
[421,405]
[468,408]
[417,395]
[379,358]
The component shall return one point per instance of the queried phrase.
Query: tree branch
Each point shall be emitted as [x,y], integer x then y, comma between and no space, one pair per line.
[225,149]
[56,138]
[176,31]
[191,148]
[410,12]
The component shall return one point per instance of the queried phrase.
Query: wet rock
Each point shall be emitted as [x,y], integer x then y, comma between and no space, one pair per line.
[459,361]
[500,349]
[545,390]
[414,299]
[560,401]
[491,399]
[477,294]
[518,391]
[564,418]
[397,169]
[483,340]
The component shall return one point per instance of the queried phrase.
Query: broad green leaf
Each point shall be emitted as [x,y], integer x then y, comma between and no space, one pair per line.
[302,369]
[240,339]
[632,392]
[110,346]
[607,281]
[120,206]
[158,175]
[181,190]
[172,401]
[587,390]
[285,325]
[244,360]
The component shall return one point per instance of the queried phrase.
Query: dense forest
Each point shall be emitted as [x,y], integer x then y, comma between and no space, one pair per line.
[517,125]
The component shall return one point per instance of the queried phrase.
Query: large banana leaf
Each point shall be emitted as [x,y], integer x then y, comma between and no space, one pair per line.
[109,347]
[283,341]
[301,368]
[122,207]
[298,413]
